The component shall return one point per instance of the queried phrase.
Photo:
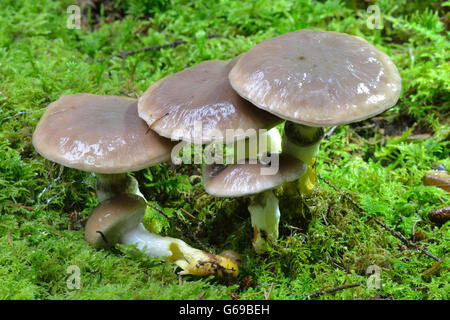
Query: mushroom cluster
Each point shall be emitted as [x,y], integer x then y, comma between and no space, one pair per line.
[307,79]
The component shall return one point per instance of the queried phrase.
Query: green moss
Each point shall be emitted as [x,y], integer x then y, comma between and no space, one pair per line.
[324,240]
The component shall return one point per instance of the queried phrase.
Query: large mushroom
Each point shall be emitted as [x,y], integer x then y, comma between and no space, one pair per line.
[100,134]
[256,180]
[104,134]
[199,105]
[315,79]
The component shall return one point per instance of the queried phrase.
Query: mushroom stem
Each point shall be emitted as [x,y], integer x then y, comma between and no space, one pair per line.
[192,261]
[110,185]
[265,217]
[303,142]
[256,147]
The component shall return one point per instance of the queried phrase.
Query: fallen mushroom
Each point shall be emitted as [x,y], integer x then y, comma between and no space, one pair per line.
[245,179]
[119,220]
[314,79]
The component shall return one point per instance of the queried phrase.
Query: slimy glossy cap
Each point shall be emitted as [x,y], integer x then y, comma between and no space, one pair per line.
[101,134]
[200,94]
[246,179]
[317,78]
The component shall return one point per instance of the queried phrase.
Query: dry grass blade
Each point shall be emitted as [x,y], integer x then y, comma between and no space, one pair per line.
[9,238]
[21,206]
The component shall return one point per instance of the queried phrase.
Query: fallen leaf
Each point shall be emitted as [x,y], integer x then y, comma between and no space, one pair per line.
[438,178]
[439,215]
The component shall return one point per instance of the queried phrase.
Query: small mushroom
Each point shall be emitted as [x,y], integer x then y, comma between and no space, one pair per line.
[101,134]
[248,179]
[314,79]
[119,220]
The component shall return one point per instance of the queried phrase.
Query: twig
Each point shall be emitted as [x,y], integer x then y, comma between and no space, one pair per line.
[21,206]
[153,123]
[220,291]
[124,54]
[16,115]
[329,133]
[396,234]
[322,292]
[292,227]
[252,294]
[337,263]
[407,242]
[183,226]
[185,229]
[159,210]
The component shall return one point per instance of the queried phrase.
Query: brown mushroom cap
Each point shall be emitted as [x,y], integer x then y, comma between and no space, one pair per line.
[200,93]
[245,179]
[112,218]
[101,134]
[317,78]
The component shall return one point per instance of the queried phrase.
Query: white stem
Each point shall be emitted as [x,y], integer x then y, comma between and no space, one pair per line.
[191,260]
[265,217]
[149,243]
[110,185]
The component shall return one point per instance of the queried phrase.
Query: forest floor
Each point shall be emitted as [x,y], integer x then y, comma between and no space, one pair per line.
[370,173]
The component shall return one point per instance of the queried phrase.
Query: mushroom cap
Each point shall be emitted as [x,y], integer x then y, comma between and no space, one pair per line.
[101,134]
[317,78]
[174,105]
[112,218]
[246,179]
